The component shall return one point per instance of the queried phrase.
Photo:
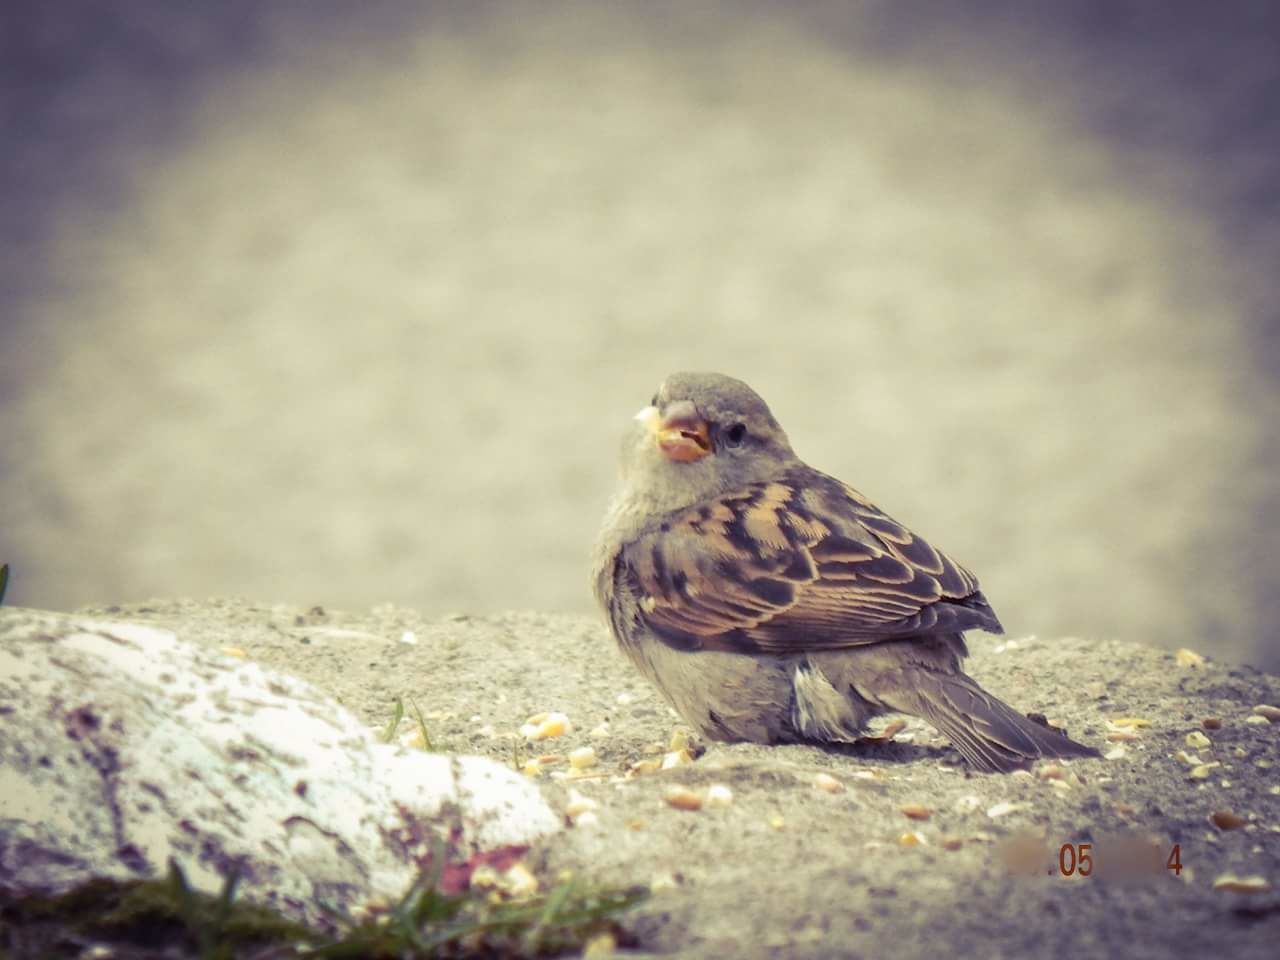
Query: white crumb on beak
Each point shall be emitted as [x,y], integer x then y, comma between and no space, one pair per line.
[647,414]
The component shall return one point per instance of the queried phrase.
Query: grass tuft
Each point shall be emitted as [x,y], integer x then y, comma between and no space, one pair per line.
[167,918]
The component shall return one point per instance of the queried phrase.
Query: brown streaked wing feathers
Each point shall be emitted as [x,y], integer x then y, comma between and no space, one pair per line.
[766,570]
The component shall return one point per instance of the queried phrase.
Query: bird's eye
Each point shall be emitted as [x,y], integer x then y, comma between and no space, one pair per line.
[734,436]
[654,401]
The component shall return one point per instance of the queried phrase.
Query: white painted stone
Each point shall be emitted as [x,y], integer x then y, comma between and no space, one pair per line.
[122,746]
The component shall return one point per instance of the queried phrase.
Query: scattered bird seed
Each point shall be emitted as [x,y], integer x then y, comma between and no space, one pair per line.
[1256,720]
[916,811]
[663,882]
[910,839]
[1129,722]
[1188,658]
[1003,809]
[1122,736]
[676,758]
[544,726]
[1211,723]
[718,795]
[1227,820]
[519,881]
[827,783]
[1233,884]
[578,805]
[599,732]
[682,798]
[1198,740]
[601,945]
[776,822]
[952,843]
[1202,771]
[1115,753]
[1268,711]
[582,758]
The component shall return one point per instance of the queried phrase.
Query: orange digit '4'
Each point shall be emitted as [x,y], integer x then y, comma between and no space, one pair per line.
[1174,862]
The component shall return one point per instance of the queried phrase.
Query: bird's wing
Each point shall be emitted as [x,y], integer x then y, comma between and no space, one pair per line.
[792,565]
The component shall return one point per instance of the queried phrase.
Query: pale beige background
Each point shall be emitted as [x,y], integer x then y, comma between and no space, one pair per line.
[345,304]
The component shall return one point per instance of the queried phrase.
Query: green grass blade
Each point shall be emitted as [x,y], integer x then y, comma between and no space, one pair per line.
[389,732]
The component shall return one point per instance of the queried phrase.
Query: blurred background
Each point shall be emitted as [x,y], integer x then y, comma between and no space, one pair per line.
[349,303]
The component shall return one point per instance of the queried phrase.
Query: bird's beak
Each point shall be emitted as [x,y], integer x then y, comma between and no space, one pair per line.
[679,432]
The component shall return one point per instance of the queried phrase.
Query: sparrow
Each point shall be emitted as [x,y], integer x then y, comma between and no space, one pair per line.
[772,603]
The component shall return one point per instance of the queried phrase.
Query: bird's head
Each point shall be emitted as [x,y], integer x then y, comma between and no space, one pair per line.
[701,435]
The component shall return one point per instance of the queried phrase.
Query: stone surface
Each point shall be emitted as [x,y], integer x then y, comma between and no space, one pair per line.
[123,746]
[786,868]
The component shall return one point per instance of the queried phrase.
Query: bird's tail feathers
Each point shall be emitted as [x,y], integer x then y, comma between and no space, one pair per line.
[988,732]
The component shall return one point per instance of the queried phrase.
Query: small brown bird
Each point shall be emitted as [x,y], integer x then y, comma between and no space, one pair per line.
[772,603]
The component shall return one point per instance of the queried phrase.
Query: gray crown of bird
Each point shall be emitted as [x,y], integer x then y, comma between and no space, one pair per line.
[769,602]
